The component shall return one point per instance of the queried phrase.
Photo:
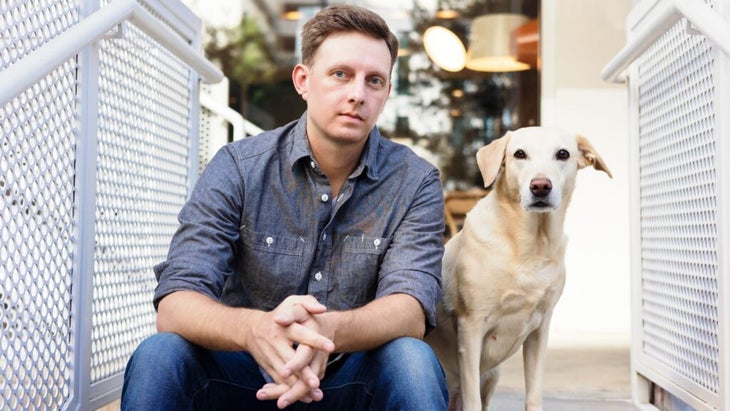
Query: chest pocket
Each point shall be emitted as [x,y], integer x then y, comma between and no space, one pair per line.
[362,257]
[270,267]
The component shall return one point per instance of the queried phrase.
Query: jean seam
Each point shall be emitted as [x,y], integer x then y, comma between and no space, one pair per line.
[345,385]
[207,383]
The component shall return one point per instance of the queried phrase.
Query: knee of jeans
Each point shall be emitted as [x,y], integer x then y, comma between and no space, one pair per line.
[159,349]
[159,369]
[413,373]
[413,357]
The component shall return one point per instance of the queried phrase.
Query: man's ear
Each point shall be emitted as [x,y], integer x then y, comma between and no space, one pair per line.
[299,77]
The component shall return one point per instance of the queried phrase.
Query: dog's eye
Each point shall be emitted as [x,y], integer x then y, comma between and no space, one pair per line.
[562,154]
[520,154]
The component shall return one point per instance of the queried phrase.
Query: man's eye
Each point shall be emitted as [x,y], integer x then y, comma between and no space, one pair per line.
[562,154]
[520,154]
[377,81]
[339,74]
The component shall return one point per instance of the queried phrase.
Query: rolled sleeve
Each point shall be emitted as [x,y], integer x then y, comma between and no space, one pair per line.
[412,264]
[202,249]
[184,274]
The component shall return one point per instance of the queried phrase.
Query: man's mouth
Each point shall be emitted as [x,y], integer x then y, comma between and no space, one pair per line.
[353,115]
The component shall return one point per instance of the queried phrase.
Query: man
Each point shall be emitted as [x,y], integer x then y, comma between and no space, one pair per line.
[306,267]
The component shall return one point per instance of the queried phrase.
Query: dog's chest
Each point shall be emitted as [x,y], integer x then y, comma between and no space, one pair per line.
[521,306]
[497,290]
[531,288]
[511,304]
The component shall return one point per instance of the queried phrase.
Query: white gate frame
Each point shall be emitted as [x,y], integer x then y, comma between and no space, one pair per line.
[648,21]
[81,41]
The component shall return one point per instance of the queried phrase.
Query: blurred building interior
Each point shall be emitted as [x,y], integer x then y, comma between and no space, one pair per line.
[446,113]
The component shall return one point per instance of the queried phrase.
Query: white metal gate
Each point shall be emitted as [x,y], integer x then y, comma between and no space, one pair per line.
[679,79]
[99,123]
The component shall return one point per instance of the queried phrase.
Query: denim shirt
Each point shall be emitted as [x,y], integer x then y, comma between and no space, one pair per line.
[262,224]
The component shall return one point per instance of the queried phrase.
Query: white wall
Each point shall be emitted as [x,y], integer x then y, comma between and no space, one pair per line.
[578,38]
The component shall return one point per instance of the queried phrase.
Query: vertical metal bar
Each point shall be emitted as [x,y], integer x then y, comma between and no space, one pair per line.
[83,276]
[722,108]
[640,386]
[194,131]
[548,73]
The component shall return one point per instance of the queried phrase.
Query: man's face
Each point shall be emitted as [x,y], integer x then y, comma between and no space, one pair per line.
[345,87]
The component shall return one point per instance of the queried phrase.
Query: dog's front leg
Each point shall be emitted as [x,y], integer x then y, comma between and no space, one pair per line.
[470,334]
[534,355]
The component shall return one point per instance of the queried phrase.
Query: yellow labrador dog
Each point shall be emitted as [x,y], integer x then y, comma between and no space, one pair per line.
[504,271]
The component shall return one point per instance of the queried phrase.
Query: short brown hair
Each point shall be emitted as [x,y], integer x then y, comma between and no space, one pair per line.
[343,18]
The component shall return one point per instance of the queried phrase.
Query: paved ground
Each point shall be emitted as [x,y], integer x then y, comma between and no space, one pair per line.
[514,402]
[581,378]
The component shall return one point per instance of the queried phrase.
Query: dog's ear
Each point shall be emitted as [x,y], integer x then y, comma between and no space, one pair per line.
[490,159]
[589,156]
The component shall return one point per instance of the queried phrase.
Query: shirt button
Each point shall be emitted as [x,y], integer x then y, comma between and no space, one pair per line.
[269,240]
[376,242]
[318,276]
[324,198]
[312,164]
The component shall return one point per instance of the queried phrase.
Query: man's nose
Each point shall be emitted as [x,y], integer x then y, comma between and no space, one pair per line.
[357,92]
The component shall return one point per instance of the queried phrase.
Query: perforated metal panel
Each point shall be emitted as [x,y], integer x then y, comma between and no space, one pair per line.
[213,125]
[37,154]
[96,160]
[142,181]
[678,209]
[207,118]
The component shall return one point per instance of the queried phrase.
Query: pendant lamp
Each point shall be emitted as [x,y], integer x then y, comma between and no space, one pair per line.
[490,43]
[444,48]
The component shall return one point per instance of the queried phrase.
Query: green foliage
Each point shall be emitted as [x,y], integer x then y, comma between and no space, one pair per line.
[242,52]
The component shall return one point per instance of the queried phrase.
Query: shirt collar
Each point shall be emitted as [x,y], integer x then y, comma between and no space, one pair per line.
[301,152]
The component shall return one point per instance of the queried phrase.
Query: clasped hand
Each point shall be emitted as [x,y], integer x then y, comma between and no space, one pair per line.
[289,344]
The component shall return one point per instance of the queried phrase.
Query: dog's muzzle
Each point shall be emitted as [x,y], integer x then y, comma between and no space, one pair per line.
[540,189]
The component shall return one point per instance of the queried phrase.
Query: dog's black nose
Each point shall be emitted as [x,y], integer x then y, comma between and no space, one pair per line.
[540,187]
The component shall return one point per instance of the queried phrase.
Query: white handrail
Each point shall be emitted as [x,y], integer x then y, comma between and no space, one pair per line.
[662,16]
[241,126]
[33,67]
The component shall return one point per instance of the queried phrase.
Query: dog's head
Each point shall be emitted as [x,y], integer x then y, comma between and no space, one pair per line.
[536,166]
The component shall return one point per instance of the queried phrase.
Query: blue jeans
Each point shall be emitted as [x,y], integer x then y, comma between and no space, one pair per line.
[166,372]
